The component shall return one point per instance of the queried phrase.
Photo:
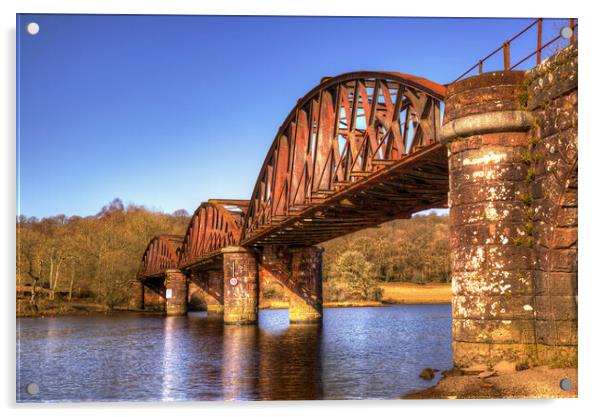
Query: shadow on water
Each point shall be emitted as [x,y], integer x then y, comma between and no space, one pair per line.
[355,353]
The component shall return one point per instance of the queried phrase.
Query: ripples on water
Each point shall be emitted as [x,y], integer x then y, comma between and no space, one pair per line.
[358,353]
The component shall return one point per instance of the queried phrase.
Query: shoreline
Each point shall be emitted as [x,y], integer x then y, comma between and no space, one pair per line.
[536,382]
[77,312]
[392,294]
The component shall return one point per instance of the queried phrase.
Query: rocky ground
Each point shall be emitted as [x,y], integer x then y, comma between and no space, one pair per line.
[538,382]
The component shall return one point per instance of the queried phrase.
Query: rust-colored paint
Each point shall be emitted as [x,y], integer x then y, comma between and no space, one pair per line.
[160,254]
[213,226]
[344,132]
[359,149]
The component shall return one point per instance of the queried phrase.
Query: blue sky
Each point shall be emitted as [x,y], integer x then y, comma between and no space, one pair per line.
[169,111]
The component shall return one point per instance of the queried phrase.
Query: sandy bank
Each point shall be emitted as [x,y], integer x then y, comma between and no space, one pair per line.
[538,382]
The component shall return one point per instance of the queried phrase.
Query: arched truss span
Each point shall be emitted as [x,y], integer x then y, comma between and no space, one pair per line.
[342,132]
[213,226]
[162,253]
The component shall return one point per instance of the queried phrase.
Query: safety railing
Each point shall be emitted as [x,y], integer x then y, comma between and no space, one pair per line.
[506,46]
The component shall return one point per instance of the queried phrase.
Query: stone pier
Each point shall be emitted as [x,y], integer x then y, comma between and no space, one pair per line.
[154,299]
[299,271]
[275,268]
[205,291]
[512,144]
[550,93]
[176,295]
[492,263]
[136,295]
[306,276]
[240,286]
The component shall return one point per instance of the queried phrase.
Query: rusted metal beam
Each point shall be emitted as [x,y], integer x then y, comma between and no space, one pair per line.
[340,134]
[160,254]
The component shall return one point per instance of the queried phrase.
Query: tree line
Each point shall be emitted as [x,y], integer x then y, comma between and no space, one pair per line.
[412,250]
[95,257]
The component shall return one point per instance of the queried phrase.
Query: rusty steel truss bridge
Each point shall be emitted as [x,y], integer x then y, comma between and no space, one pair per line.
[357,150]
[367,147]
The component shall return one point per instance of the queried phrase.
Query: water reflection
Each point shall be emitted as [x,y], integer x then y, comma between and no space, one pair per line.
[287,372]
[239,369]
[171,376]
[356,353]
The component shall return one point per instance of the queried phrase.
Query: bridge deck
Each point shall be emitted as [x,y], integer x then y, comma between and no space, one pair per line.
[416,183]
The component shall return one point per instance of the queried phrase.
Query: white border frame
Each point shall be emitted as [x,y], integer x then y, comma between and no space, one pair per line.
[590,153]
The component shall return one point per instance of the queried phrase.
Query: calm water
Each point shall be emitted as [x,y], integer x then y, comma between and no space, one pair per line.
[356,353]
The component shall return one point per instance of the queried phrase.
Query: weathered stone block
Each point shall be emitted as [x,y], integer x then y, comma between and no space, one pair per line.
[509,257]
[470,355]
[558,356]
[565,237]
[557,332]
[563,260]
[486,191]
[483,99]
[493,331]
[489,87]
[468,258]
[567,217]
[500,139]
[517,353]
[556,307]
[485,157]
[490,307]
[492,282]
[555,283]
[569,198]
[553,78]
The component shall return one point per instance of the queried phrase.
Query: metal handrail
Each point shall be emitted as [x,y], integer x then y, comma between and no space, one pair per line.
[505,47]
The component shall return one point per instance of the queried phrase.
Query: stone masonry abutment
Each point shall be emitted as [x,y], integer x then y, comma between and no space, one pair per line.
[550,93]
[513,210]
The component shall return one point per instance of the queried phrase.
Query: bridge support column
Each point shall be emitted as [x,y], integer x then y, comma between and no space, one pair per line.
[486,131]
[205,291]
[274,271]
[175,293]
[153,301]
[136,295]
[240,286]
[306,276]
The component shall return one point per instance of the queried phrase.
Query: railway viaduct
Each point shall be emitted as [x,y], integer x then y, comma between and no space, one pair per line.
[367,147]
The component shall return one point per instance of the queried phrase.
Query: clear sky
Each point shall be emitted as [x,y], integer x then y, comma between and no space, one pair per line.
[169,111]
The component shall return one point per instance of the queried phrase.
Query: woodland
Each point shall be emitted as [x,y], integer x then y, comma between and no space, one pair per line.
[94,258]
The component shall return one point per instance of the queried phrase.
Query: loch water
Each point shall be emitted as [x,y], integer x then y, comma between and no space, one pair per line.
[356,353]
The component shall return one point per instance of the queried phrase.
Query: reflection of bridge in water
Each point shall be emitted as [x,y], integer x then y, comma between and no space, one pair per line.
[365,148]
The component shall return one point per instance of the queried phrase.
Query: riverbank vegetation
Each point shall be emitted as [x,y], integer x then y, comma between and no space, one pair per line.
[361,265]
[87,259]
[66,263]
